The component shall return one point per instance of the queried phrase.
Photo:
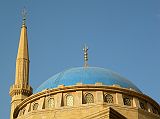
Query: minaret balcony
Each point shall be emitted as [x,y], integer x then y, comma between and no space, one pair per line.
[17,89]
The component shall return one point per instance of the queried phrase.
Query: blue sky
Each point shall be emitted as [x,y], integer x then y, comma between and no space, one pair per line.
[122,35]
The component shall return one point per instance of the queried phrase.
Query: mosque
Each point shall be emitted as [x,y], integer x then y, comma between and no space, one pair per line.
[78,93]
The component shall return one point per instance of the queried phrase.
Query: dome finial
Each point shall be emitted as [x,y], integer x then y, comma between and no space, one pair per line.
[85,49]
[24,14]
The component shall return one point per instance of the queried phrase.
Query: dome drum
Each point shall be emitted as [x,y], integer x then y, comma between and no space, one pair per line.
[76,96]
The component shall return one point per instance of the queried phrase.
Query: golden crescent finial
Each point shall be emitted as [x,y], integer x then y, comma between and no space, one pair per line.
[85,49]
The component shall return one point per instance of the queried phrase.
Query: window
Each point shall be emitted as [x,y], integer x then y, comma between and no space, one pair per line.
[108,98]
[127,101]
[35,106]
[29,108]
[89,98]
[50,103]
[23,111]
[143,105]
[20,113]
[154,110]
[69,100]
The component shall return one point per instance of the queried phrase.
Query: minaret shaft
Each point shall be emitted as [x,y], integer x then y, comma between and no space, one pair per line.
[22,73]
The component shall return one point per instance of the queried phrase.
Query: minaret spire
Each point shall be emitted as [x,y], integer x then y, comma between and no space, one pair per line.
[21,88]
[22,62]
[85,49]
[23,42]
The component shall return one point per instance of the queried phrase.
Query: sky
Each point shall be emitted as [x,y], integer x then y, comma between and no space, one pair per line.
[122,35]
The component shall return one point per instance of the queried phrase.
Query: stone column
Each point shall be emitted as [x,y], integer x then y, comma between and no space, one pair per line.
[78,98]
[119,99]
[41,103]
[58,100]
[99,94]
[135,102]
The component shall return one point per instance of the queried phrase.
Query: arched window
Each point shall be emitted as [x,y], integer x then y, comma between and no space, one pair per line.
[69,100]
[143,105]
[127,101]
[89,98]
[35,106]
[20,113]
[29,108]
[23,111]
[154,110]
[50,103]
[108,98]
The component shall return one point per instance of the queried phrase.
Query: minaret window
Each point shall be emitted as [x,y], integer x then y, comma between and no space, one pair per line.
[50,103]
[108,98]
[127,101]
[35,106]
[89,98]
[69,100]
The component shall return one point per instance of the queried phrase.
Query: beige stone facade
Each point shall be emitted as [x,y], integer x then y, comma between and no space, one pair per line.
[80,101]
[61,107]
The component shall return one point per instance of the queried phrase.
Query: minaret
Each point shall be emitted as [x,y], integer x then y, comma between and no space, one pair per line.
[21,88]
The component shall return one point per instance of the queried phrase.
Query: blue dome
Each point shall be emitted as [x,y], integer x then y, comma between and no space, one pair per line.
[87,75]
